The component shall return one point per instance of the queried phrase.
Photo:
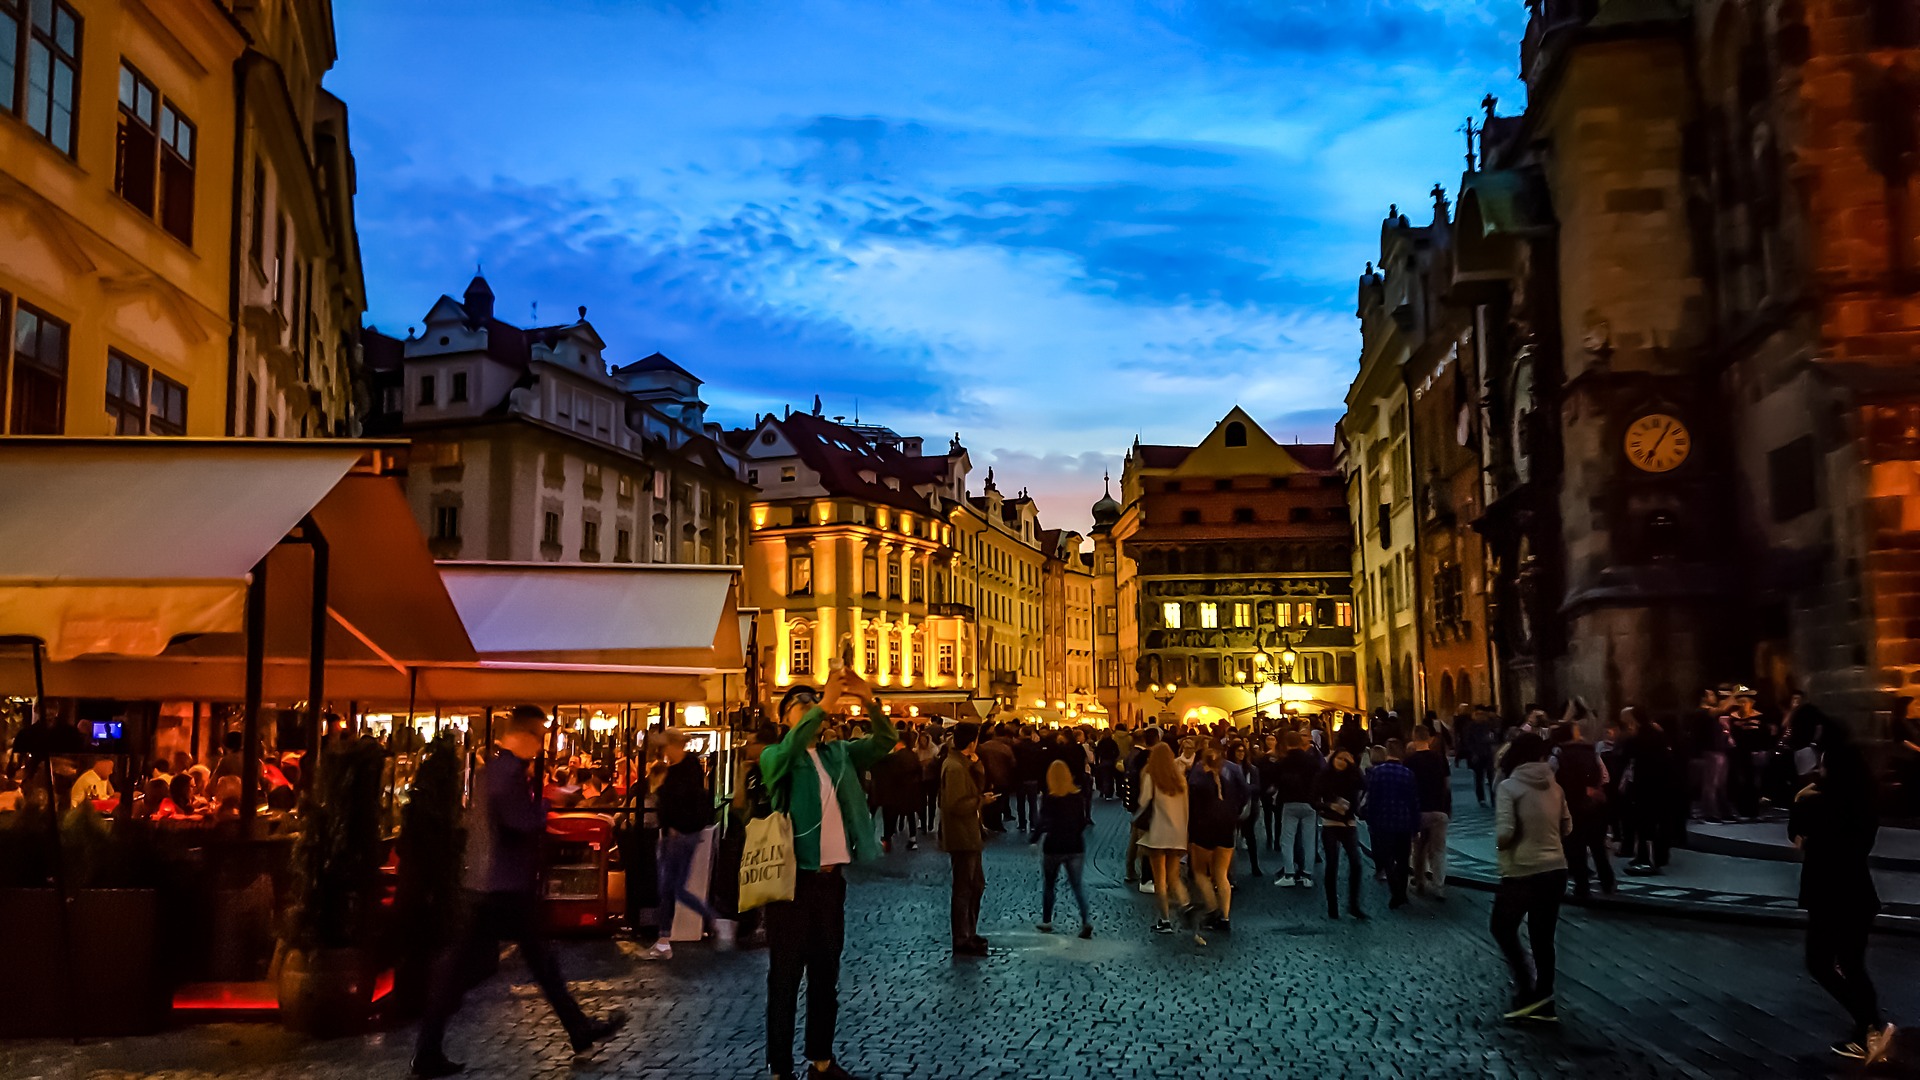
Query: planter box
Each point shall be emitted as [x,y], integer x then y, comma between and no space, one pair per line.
[106,982]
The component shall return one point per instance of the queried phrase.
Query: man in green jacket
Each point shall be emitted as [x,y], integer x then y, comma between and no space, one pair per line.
[819,785]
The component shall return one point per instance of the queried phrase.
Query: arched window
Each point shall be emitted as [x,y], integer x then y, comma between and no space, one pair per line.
[1466,692]
[1236,434]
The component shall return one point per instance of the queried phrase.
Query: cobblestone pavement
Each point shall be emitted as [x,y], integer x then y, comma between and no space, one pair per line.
[1413,993]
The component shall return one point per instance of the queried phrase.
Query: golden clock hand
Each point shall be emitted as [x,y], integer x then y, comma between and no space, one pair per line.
[1651,450]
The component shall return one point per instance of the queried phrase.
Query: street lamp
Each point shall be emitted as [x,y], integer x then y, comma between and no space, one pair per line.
[1163,693]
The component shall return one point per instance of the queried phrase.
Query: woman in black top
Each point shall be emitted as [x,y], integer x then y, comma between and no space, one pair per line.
[1336,795]
[1061,831]
[1834,826]
[1249,820]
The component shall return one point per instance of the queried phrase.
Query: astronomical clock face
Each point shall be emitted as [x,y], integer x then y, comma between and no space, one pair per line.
[1658,443]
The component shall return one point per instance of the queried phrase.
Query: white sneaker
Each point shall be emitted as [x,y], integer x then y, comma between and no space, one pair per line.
[1147,887]
[1306,881]
[662,950]
[1285,881]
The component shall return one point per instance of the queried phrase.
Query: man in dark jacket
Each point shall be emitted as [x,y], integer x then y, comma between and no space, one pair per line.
[896,787]
[1001,769]
[1393,816]
[504,827]
[1578,770]
[685,804]
[1030,758]
[1433,781]
[1106,760]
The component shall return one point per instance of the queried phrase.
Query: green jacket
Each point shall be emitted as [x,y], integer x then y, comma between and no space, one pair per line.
[787,770]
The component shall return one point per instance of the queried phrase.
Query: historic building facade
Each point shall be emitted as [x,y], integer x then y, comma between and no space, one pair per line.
[1002,561]
[527,448]
[1066,620]
[133,298]
[1232,557]
[852,556]
[1678,350]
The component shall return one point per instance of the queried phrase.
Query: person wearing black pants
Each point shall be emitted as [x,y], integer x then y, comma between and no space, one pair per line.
[805,937]
[1834,824]
[1531,821]
[1336,795]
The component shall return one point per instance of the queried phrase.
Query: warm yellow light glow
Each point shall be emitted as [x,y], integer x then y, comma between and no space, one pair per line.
[695,715]
[1039,703]
[759,516]
[1289,657]
[913,710]
[1059,704]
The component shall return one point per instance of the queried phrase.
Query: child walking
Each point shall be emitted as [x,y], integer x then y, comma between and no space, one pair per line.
[1061,831]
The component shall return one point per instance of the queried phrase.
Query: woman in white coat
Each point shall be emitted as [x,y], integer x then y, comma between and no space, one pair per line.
[1163,812]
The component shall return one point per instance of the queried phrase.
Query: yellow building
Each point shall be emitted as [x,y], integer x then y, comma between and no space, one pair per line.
[1001,564]
[850,551]
[120,283]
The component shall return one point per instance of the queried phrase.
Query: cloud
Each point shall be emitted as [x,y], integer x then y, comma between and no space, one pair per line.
[1049,226]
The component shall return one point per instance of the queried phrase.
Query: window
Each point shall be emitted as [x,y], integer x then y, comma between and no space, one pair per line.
[1210,616]
[1283,613]
[893,579]
[39,383]
[446,523]
[1223,485]
[946,658]
[9,54]
[253,405]
[427,396]
[458,392]
[590,536]
[753,476]
[800,655]
[53,66]
[153,158]
[1236,434]
[1109,673]
[1306,614]
[1791,479]
[870,576]
[873,651]
[257,228]
[1189,517]
[893,653]
[126,395]
[1171,485]
[800,575]
[550,528]
[1170,615]
[659,547]
[1342,613]
[1243,515]
[1300,514]
[787,475]
[920,655]
[279,262]
[622,545]
[1110,620]
[917,584]
[1242,614]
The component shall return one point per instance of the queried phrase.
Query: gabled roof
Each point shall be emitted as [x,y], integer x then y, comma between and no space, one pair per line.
[656,362]
[1152,456]
[839,454]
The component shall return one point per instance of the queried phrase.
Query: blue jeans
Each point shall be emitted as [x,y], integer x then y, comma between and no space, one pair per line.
[676,865]
[1050,869]
[1297,847]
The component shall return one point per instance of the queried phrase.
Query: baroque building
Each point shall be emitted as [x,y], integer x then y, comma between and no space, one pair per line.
[852,556]
[1232,578]
[1001,559]
[1066,620]
[133,298]
[528,448]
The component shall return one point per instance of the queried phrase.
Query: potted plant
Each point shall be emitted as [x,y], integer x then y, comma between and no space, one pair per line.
[428,887]
[326,968]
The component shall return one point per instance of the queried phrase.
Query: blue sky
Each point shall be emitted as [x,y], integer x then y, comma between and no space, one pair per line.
[1049,226]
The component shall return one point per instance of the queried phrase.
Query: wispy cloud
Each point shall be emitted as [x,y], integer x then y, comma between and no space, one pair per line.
[1051,226]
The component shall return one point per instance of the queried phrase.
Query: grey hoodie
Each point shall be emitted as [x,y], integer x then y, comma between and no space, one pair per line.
[1530,817]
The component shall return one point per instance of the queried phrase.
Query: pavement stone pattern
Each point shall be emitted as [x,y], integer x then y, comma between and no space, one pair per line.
[1414,993]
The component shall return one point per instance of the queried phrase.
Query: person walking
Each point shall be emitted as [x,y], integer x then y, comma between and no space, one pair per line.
[994,751]
[1294,777]
[1216,796]
[1393,817]
[1433,782]
[1250,811]
[1030,757]
[1162,821]
[1139,863]
[1834,824]
[1336,798]
[1106,761]
[1531,822]
[1582,777]
[896,787]
[684,802]
[1060,828]
[504,827]
[819,786]
[961,800]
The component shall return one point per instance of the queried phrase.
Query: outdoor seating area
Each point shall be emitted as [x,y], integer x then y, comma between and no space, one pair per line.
[245,705]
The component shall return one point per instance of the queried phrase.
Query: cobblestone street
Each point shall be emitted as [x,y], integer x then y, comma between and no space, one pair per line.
[1414,993]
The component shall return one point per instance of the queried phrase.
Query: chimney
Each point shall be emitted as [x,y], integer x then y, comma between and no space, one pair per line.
[911,446]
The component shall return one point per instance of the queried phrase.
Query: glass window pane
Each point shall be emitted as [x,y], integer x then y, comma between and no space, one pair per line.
[43,14]
[183,140]
[53,346]
[126,86]
[60,124]
[9,64]
[116,373]
[26,335]
[66,31]
[166,123]
[143,103]
[39,82]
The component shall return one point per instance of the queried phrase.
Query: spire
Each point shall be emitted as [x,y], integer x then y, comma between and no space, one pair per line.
[478,300]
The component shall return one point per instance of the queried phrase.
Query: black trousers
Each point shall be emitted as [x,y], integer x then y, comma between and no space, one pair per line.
[1536,900]
[969,884]
[898,819]
[1026,800]
[1335,839]
[1250,833]
[1391,851]
[1104,776]
[804,937]
[1589,839]
[1837,960]
[487,920]
[1270,811]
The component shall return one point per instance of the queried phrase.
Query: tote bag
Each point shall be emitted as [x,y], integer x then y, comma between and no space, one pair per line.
[767,864]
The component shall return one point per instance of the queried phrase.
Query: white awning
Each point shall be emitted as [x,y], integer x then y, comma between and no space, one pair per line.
[120,545]
[631,615]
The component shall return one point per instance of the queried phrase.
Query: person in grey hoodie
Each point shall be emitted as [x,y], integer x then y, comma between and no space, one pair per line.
[1531,824]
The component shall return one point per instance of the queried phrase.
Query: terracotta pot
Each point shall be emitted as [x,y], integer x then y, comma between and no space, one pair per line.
[327,992]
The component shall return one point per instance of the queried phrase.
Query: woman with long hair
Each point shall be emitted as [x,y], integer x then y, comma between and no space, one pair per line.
[1336,796]
[1216,795]
[1061,829]
[1163,814]
[1251,771]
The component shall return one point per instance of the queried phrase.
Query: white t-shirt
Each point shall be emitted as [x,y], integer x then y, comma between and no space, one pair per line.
[90,785]
[833,827]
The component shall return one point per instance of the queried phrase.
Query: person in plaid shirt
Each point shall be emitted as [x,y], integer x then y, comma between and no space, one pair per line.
[1393,816]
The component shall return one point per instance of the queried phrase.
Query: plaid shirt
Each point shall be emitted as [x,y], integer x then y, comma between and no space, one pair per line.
[1393,799]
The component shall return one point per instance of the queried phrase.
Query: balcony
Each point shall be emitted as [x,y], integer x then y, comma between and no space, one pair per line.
[953,611]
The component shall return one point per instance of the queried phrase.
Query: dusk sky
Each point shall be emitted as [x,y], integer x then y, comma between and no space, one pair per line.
[1050,227]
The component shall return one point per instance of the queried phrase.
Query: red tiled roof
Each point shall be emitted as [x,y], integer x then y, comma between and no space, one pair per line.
[819,442]
[1315,457]
[1162,457]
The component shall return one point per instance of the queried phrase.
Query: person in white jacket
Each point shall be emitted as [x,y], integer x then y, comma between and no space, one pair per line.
[1531,824]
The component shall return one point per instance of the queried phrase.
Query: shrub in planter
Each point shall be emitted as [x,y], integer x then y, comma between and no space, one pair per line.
[326,968]
[428,890]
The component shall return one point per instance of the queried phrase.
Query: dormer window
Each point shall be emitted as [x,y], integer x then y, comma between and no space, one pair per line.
[868,476]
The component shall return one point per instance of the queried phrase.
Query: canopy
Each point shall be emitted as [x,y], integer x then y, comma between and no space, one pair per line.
[121,545]
[625,615]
